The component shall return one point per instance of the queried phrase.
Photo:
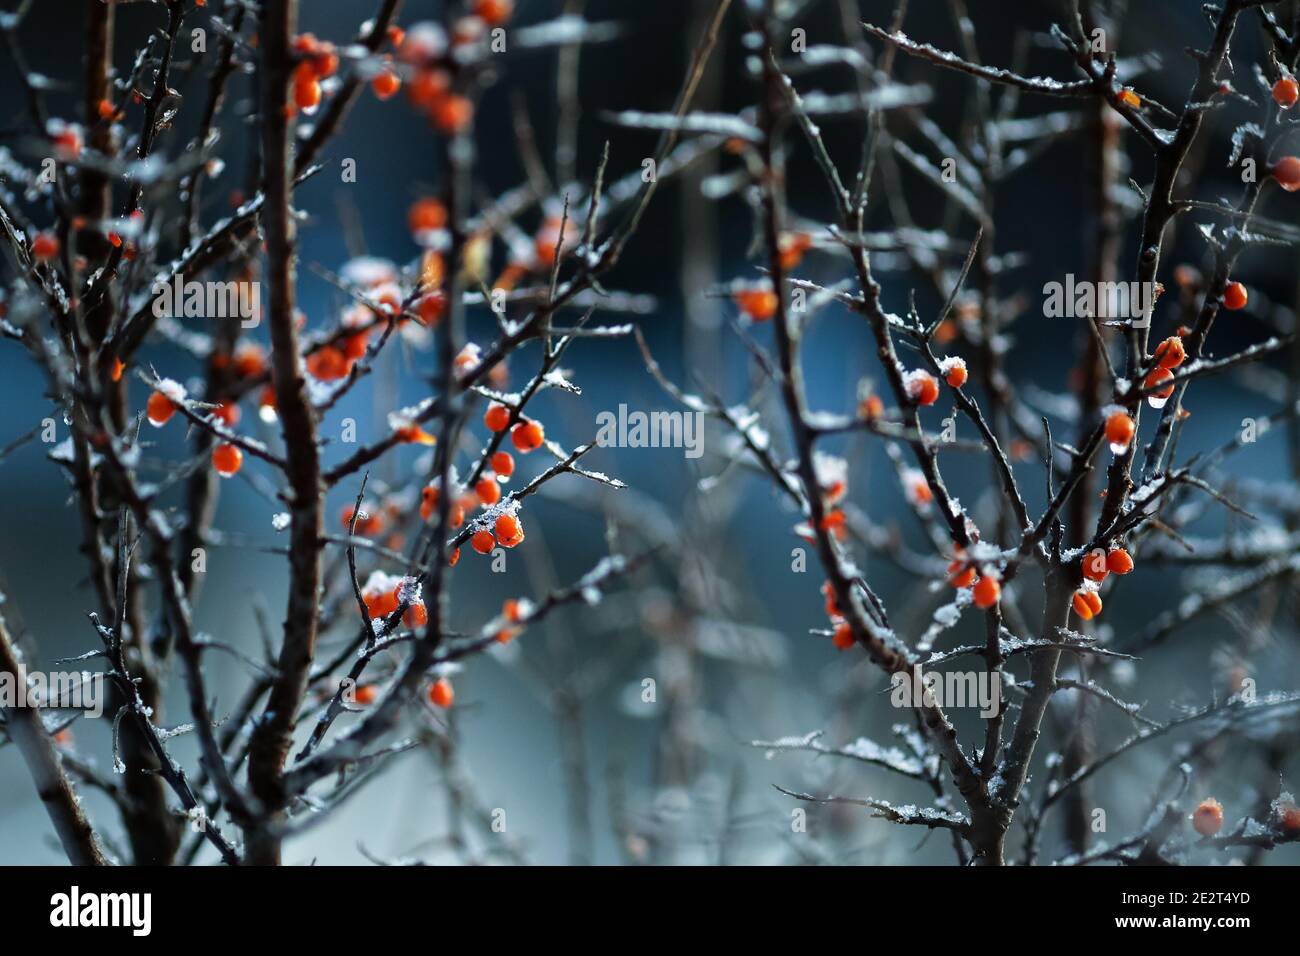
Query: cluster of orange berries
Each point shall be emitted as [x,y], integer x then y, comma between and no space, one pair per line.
[384,593]
[509,532]
[1096,565]
[318,60]
[759,302]
[424,49]
[986,586]
[527,434]
[1169,355]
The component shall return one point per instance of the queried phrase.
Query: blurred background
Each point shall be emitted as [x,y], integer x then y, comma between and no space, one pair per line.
[554,728]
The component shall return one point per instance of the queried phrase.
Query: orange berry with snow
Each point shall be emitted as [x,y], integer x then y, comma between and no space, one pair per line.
[1171,353]
[921,387]
[954,371]
[527,436]
[842,637]
[1207,818]
[1119,561]
[159,409]
[510,531]
[758,303]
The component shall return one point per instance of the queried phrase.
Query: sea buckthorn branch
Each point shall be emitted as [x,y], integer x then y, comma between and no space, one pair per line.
[191,187]
[271,739]
[909,816]
[1230,713]
[26,728]
[372,37]
[882,647]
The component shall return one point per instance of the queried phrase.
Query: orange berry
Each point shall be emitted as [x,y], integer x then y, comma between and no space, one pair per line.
[455,556]
[497,417]
[483,542]
[1288,818]
[921,387]
[1119,561]
[306,87]
[1094,565]
[386,84]
[227,413]
[871,407]
[227,459]
[954,372]
[1234,296]
[987,592]
[426,215]
[494,12]
[527,436]
[159,409]
[441,694]
[365,695]
[1170,353]
[416,615]
[1207,819]
[488,490]
[1081,606]
[430,308]
[1093,600]
[832,609]
[118,368]
[1156,379]
[1129,98]
[1119,430]
[960,574]
[1286,91]
[45,246]
[328,364]
[105,109]
[452,114]
[791,248]
[503,463]
[843,636]
[509,531]
[250,360]
[1287,173]
[759,304]
[427,88]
